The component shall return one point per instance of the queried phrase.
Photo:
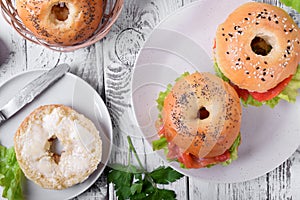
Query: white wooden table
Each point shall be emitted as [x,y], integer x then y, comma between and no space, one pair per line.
[108,67]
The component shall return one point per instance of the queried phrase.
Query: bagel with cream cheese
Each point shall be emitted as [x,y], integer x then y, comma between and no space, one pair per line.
[63,22]
[37,139]
[257,49]
[200,121]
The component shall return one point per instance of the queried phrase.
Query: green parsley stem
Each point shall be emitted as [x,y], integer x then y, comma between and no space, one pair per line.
[131,148]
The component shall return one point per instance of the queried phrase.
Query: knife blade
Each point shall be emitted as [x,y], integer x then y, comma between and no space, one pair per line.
[31,90]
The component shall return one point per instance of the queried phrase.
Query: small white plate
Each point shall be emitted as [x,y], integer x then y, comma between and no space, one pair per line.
[183,42]
[71,91]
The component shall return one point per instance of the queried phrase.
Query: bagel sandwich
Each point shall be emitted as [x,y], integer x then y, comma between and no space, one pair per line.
[256,49]
[199,121]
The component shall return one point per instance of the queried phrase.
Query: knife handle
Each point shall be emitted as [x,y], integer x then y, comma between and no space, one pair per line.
[2,118]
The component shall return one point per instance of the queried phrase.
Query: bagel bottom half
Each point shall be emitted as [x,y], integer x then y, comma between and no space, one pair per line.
[80,141]
[200,121]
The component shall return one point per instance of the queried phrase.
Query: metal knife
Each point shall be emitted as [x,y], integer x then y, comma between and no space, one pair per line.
[31,90]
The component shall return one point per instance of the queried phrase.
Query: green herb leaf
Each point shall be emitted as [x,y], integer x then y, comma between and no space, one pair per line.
[136,188]
[138,196]
[122,181]
[123,193]
[11,175]
[165,175]
[162,194]
[133,183]
[120,178]
[295,4]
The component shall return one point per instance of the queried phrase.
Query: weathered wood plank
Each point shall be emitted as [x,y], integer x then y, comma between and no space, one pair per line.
[295,174]
[123,44]
[13,52]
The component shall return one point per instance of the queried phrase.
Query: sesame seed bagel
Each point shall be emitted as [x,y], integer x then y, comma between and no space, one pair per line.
[202,115]
[78,136]
[257,46]
[64,22]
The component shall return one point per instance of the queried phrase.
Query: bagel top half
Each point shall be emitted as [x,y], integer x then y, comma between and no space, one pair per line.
[257,46]
[202,115]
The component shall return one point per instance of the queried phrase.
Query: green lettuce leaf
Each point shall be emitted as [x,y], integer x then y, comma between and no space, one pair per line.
[162,143]
[233,151]
[161,97]
[295,4]
[159,144]
[11,175]
[251,101]
[219,73]
[289,93]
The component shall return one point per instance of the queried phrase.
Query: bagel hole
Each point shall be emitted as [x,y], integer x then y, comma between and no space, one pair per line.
[260,46]
[60,11]
[203,113]
[56,148]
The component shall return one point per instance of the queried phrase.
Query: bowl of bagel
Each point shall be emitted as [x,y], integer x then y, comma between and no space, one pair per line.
[62,25]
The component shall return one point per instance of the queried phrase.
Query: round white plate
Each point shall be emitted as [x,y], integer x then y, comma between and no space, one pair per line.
[71,91]
[183,42]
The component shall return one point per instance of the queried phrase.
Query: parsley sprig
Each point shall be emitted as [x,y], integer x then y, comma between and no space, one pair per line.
[133,182]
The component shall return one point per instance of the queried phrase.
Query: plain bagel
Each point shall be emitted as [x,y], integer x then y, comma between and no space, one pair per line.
[64,22]
[78,136]
[257,46]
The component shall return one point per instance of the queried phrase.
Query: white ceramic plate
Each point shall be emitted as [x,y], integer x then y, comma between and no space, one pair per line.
[183,42]
[70,91]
